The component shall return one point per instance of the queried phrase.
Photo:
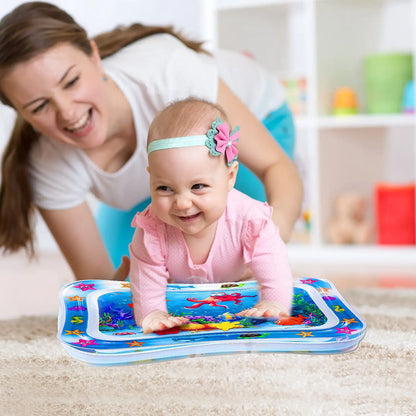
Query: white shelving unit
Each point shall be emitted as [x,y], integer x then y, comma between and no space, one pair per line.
[325,42]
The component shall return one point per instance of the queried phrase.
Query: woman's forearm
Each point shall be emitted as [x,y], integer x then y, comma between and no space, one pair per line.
[284,190]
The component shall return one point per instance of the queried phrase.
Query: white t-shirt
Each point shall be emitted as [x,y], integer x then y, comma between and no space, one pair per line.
[152,73]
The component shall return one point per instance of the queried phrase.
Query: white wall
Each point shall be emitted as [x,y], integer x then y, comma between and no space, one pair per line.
[192,17]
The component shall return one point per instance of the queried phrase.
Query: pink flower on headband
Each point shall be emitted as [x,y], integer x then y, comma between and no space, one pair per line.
[226,143]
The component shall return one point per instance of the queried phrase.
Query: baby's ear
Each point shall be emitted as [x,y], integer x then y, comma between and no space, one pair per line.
[232,175]
[148,169]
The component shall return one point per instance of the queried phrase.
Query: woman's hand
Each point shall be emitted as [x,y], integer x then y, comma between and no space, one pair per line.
[265,308]
[160,320]
[123,270]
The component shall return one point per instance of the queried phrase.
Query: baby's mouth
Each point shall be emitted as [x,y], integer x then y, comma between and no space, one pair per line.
[189,217]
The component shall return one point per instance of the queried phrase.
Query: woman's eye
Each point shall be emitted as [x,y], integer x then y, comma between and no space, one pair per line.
[72,82]
[39,107]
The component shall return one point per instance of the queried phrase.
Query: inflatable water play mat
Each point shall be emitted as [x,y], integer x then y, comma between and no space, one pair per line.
[96,322]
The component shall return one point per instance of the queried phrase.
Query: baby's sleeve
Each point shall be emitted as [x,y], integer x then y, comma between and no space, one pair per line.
[266,254]
[148,273]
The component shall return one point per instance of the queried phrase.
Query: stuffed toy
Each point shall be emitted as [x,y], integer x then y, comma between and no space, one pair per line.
[349,224]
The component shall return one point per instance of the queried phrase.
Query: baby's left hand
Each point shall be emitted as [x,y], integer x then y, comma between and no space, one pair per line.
[265,308]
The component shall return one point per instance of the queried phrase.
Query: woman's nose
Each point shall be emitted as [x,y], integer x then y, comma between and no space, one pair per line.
[65,109]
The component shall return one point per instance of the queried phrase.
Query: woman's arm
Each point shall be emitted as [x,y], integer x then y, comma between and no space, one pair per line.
[267,160]
[77,235]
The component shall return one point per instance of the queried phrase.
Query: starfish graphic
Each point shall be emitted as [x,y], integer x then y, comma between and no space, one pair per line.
[85,342]
[75,298]
[349,321]
[85,287]
[77,308]
[344,331]
[74,332]
[135,344]
[308,281]
[305,334]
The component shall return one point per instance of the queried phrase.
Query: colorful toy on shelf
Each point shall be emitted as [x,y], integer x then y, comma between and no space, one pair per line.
[349,224]
[345,102]
[296,95]
[96,322]
[395,213]
[385,76]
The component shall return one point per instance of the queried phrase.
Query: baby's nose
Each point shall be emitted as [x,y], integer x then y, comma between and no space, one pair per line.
[183,201]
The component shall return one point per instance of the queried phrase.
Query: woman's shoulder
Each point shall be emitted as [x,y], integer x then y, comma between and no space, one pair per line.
[164,69]
[155,47]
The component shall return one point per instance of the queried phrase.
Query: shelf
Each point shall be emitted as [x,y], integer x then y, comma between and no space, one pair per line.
[357,121]
[366,120]
[244,4]
[371,255]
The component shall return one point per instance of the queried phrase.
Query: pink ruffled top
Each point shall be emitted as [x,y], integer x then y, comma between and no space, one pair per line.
[245,236]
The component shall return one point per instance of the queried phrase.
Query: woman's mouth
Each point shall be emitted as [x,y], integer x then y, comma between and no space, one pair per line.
[82,126]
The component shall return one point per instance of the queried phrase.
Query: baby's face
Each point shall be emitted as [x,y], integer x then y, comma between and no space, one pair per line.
[189,187]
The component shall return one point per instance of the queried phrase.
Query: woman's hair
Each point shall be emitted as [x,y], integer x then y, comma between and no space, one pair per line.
[25,32]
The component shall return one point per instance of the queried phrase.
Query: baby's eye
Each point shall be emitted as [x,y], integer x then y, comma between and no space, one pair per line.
[163,188]
[198,186]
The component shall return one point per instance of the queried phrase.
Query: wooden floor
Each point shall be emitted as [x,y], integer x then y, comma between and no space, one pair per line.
[31,288]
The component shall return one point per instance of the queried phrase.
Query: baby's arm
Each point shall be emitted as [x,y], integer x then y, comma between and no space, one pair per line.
[161,320]
[270,266]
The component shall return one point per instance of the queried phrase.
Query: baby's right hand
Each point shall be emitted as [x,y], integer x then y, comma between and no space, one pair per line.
[160,320]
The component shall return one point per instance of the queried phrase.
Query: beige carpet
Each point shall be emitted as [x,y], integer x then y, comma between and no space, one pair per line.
[38,378]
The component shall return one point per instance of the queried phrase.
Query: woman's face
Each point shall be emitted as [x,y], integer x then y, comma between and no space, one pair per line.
[62,94]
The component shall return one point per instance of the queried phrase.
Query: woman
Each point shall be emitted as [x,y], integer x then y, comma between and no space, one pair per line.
[84,108]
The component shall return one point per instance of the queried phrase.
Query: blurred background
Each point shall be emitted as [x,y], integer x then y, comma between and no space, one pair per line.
[348,69]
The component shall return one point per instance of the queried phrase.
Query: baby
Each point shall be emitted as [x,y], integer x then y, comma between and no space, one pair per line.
[198,229]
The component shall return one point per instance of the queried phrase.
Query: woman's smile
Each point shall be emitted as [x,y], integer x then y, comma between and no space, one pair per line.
[83,126]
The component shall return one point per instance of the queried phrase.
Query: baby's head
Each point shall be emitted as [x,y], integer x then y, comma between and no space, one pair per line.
[192,165]
[183,122]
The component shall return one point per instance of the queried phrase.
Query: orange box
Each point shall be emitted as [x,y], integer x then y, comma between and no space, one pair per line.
[395,214]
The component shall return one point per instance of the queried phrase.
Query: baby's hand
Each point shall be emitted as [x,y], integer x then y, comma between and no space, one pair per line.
[265,308]
[159,321]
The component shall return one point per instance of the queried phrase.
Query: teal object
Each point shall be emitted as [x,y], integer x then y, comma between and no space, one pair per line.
[116,230]
[115,225]
[408,105]
[96,324]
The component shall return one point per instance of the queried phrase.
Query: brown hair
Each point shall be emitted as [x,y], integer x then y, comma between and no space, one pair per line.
[25,32]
